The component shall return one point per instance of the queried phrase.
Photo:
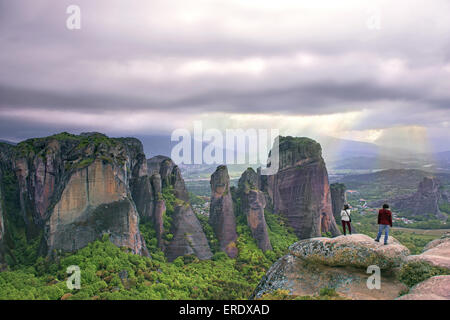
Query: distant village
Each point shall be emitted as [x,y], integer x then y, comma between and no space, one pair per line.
[202,209]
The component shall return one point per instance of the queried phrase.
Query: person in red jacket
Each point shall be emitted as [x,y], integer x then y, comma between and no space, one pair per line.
[384,222]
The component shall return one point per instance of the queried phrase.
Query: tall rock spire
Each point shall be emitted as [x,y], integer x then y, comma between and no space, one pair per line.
[338,199]
[187,232]
[300,190]
[221,214]
[253,203]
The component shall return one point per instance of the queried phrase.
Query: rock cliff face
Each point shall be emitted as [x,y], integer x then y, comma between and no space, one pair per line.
[338,199]
[77,188]
[423,202]
[253,203]
[188,235]
[339,263]
[221,214]
[300,189]
[96,200]
[5,165]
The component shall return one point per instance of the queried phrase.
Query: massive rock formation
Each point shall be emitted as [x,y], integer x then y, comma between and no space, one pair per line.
[339,263]
[252,205]
[188,235]
[300,189]
[77,188]
[221,213]
[73,189]
[424,202]
[338,199]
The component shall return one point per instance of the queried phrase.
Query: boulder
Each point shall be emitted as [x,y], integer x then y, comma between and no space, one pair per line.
[340,263]
[445,237]
[356,250]
[221,213]
[434,288]
[436,253]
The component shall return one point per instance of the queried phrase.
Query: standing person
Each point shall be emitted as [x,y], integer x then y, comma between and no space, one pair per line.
[345,219]
[384,222]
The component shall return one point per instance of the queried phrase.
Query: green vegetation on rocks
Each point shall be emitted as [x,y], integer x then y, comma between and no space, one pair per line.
[415,272]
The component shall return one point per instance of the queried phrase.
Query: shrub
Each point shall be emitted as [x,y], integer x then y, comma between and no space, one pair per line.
[415,272]
[329,292]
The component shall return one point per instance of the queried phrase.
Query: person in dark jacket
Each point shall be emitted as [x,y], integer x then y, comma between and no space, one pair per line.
[384,222]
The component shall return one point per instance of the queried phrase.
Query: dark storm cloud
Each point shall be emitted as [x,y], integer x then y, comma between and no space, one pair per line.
[306,99]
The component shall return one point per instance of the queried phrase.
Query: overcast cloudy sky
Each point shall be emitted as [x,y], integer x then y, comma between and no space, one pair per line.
[376,71]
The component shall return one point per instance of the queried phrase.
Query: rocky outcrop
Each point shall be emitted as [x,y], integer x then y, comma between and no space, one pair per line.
[156,174]
[252,205]
[300,189]
[339,263]
[424,202]
[436,253]
[338,199]
[444,238]
[434,288]
[221,214]
[73,189]
[357,250]
[170,175]
[188,235]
